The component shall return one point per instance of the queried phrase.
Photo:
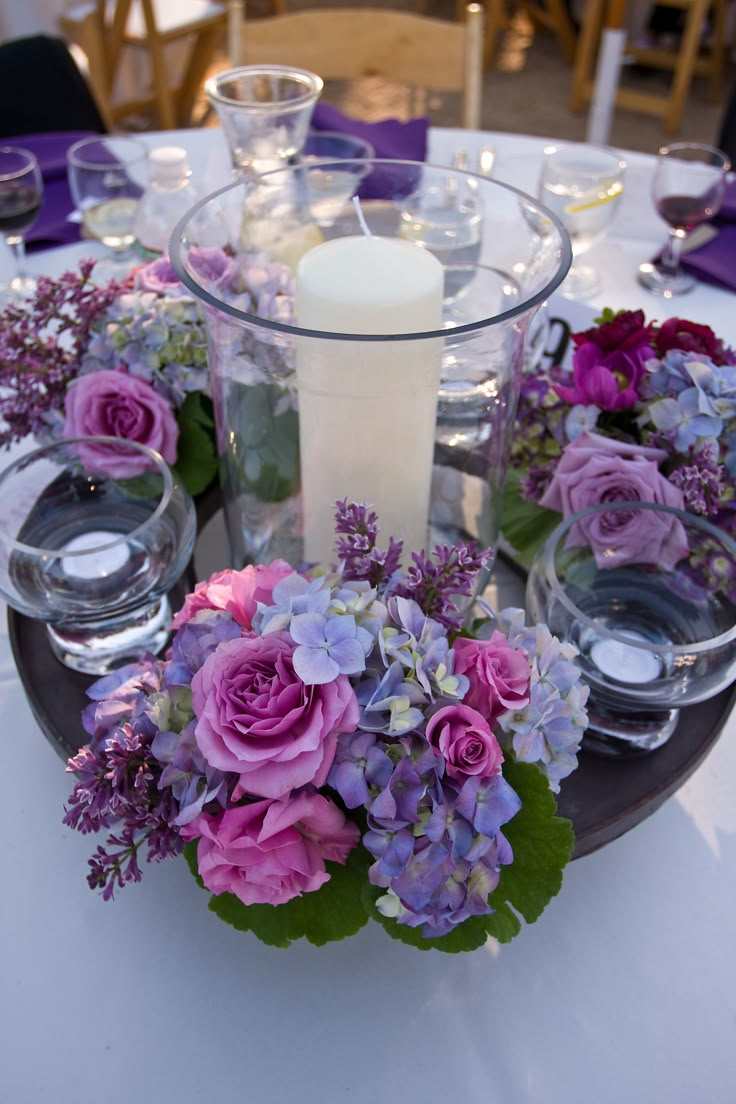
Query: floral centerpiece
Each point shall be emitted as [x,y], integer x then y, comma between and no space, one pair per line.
[126,359]
[328,746]
[647,412]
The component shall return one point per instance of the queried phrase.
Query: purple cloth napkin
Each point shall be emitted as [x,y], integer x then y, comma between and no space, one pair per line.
[715,262]
[390,138]
[52,226]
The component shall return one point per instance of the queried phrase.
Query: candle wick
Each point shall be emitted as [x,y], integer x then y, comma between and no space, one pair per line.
[361,217]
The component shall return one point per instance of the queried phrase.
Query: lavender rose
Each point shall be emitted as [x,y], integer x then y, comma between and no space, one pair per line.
[463,737]
[594,469]
[499,675]
[114,404]
[271,851]
[159,276]
[257,719]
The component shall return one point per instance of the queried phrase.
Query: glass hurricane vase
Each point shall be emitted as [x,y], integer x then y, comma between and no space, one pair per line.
[413,418]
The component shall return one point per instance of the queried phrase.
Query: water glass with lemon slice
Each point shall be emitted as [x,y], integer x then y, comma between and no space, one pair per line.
[582,184]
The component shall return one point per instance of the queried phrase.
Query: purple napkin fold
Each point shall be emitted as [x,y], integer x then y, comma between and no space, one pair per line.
[390,138]
[715,262]
[52,227]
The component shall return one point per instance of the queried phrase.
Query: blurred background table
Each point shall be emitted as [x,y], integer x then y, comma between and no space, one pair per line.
[624,990]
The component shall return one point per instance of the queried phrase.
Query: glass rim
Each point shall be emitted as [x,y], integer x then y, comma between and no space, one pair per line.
[162,468]
[102,166]
[609,151]
[179,264]
[701,147]
[28,155]
[312,83]
[547,564]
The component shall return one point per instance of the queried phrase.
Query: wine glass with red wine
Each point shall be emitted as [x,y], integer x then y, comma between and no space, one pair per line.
[687,189]
[21,195]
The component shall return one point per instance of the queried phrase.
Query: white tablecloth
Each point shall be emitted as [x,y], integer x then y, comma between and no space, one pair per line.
[625,990]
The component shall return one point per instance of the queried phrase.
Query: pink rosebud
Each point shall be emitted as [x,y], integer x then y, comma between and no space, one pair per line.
[464,739]
[499,675]
[159,276]
[256,718]
[238,592]
[114,404]
[270,851]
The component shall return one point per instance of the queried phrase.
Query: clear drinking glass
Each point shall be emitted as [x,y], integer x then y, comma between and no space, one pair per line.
[21,195]
[418,424]
[582,184]
[265,111]
[107,177]
[95,532]
[331,186]
[687,189]
[647,594]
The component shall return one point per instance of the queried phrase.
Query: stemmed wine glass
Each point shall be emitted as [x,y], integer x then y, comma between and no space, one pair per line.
[582,184]
[107,176]
[21,194]
[687,189]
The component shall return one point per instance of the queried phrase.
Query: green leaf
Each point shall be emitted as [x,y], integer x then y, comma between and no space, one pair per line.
[334,912]
[542,843]
[525,525]
[196,461]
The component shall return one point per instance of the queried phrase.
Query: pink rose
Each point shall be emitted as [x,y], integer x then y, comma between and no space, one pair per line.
[270,851]
[159,276]
[211,265]
[594,469]
[114,404]
[238,592]
[499,675]
[255,717]
[464,738]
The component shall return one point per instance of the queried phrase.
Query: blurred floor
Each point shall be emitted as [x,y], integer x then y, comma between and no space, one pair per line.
[527,91]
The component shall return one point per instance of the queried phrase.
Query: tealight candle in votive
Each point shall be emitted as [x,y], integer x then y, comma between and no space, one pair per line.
[367,409]
[624,662]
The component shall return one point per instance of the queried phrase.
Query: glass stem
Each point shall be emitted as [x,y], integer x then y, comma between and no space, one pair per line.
[670,259]
[16,244]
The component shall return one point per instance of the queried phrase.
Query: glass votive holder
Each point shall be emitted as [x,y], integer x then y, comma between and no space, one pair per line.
[647,594]
[265,111]
[95,532]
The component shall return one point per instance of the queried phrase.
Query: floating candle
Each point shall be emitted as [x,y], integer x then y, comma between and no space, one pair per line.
[95,565]
[625,662]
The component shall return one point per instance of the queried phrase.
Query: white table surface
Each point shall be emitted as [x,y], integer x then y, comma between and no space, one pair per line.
[624,991]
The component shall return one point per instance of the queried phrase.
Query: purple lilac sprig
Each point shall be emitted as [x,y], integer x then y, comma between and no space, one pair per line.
[42,341]
[356,527]
[117,783]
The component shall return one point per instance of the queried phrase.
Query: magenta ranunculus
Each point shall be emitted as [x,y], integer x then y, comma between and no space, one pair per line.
[690,337]
[595,469]
[464,739]
[114,404]
[499,675]
[159,276]
[270,851]
[626,332]
[238,592]
[256,718]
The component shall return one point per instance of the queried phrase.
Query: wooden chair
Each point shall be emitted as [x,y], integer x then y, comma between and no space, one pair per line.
[552,14]
[349,43]
[104,30]
[685,62]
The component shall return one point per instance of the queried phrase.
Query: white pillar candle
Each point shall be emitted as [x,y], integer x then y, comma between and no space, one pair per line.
[367,410]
